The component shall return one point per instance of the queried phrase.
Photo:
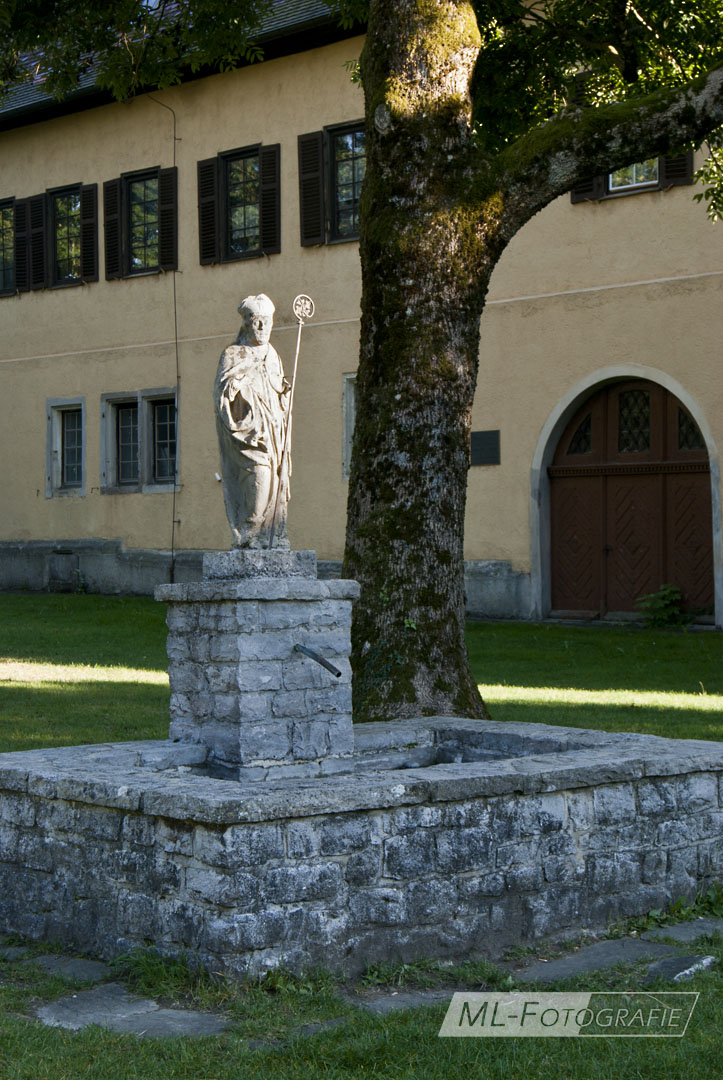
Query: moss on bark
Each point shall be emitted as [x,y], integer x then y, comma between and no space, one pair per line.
[424,280]
[436,215]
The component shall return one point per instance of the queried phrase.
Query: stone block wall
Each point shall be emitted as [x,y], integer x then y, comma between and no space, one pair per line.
[348,870]
[240,687]
[493,589]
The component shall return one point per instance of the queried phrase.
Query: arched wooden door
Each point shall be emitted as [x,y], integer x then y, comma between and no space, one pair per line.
[630,503]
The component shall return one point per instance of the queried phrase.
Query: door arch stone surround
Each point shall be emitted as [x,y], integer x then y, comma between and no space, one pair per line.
[547,442]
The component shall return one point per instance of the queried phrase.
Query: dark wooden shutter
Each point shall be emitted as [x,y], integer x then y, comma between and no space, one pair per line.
[311,188]
[22,269]
[89,232]
[589,190]
[112,229]
[168,219]
[676,169]
[38,241]
[208,211]
[270,198]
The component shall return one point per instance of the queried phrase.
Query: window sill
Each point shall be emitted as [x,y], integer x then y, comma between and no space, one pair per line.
[120,489]
[159,488]
[66,493]
[139,489]
[241,258]
[641,190]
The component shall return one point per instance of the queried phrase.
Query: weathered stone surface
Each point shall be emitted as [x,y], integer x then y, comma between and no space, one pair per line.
[596,957]
[252,402]
[678,968]
[250,563]
[686,932]
[269,675]
[234,665]
[210,592]
[112,1007]
[266,740]
[336,870]
[293,884]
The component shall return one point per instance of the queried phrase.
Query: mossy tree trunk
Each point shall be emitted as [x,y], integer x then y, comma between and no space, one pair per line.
[425,272]
[437,213]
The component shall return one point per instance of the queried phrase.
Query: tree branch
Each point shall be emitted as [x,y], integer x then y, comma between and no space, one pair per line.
[574,145]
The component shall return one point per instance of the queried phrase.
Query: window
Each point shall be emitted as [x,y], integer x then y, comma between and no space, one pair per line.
[581,441]
[347,165]
[65,451]
[127,446]
[72,448]
[689,434]
[633,421]
[138,441]
[65,216]
[140,223]
[7,246]
[242,233]
[641,174]
[239,204]
[332,163]
[143,224]
[55,238]
[655,174]
[164,441]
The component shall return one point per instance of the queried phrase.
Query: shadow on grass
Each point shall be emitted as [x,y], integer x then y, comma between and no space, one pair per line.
[33,716]
[596,657]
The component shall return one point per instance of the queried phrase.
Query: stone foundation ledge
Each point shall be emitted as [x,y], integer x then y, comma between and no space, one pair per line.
[261,588]
[155,776]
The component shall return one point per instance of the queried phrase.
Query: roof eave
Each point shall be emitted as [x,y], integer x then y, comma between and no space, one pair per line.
[309,34]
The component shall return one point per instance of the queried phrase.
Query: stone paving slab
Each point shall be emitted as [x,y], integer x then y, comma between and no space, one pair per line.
[687,931]
[381,1002]
[596,957]
[170,1024]
[111,1006]
[12,952]
[72,968]
[678,968]
[590,958]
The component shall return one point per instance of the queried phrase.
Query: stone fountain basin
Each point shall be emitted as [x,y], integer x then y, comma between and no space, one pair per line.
[449,838]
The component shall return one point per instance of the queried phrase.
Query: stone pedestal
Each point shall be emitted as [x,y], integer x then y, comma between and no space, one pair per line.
[238,684]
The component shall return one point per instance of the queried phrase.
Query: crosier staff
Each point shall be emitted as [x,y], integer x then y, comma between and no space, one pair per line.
[303,308]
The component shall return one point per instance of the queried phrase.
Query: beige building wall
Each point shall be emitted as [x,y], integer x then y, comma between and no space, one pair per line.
[635,282]
[120,336]
[631,283]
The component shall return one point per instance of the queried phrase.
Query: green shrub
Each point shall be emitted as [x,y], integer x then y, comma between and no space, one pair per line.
[663,608]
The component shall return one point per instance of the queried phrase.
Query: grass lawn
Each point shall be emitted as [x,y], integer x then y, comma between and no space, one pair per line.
[272,1034]
[619,678]
[80,669]
[77,669]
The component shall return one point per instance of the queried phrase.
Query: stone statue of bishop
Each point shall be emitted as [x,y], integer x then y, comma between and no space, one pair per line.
[251,401]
